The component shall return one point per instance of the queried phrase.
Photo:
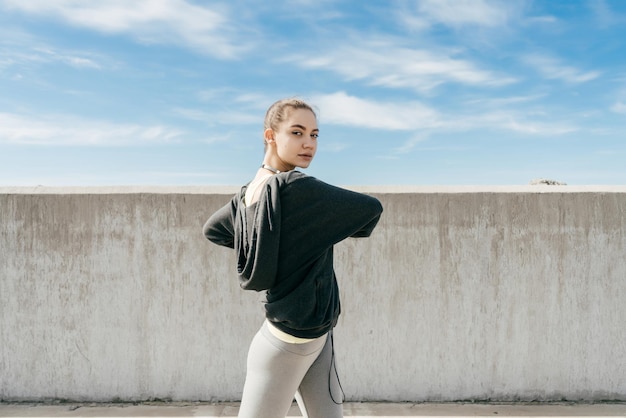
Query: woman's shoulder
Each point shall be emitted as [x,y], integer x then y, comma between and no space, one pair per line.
[293,177]
[295,183]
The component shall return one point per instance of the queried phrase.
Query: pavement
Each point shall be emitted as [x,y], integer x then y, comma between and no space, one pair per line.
[363,410]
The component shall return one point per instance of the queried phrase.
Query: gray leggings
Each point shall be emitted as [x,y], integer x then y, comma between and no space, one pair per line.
[278,370]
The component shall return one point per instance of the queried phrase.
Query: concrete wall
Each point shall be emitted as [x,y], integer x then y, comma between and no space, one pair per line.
[497,293]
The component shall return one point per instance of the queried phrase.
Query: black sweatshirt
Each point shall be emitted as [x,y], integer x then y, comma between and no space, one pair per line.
[284,245]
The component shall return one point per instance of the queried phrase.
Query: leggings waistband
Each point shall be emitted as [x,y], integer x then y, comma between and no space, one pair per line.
[302,349]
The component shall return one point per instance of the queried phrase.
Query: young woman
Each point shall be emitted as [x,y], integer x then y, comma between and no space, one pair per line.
[283,225]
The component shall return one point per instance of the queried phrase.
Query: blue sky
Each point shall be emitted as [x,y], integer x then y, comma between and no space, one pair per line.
[408,92]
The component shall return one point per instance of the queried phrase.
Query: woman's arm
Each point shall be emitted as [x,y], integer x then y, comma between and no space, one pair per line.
[320,214]
[219,228]
[367,229]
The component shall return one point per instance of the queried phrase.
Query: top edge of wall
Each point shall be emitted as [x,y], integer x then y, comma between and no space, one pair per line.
[61,190]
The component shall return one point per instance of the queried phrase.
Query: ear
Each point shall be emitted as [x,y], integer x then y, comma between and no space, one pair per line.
[269,136]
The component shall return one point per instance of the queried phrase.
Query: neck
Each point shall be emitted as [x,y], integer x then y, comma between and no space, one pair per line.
[270,168]
[275,164]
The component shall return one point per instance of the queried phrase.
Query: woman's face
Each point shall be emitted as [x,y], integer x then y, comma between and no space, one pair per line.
[295,139]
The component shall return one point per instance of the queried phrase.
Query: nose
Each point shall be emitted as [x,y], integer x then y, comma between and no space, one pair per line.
[309,143]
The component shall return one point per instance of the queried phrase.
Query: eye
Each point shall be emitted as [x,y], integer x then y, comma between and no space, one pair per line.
[315,135]
[297,133]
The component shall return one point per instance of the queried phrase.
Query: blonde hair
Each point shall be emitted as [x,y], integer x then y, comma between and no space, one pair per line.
[279,112]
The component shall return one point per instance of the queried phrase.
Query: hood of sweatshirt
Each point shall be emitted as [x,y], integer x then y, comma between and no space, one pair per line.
[257,238]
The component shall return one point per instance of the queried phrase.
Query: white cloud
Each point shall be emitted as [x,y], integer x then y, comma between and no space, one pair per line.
[412,21]
[219,117]
[460,14]
[551,68]
[410,144]
[457,13]
[333,146]
[498,102]
[79,62]
[26,55]
[517,121]
[547,19]
[495,121]
[536,128]
[76,60]
[163,22]
[605,15]
[192,114]
[619,107]
[383,63]
[342,109]
[68,130]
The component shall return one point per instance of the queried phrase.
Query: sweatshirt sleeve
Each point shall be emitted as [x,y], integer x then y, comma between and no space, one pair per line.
[219,229]
[359,212]
[367,229]
[327,214]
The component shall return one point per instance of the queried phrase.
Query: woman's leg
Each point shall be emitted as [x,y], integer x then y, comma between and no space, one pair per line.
[320,394]
[275,369]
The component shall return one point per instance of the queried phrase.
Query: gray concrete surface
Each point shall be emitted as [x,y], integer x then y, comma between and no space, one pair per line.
[461,293]
[388,410]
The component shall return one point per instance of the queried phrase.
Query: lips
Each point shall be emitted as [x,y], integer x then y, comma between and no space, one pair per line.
[305,155]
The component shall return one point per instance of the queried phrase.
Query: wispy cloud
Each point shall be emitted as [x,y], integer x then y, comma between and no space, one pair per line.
[77,60]
[384,63]
[178,22]
[605,15]
[531,127]
[467,16]
[225,117]
[512,120]
[498,102]
[408,145]
[551,68]
[334,147]
[342,109]
[25,55]
[323,10]
[545,19]
[68,130]
[462,13]
[619,107]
